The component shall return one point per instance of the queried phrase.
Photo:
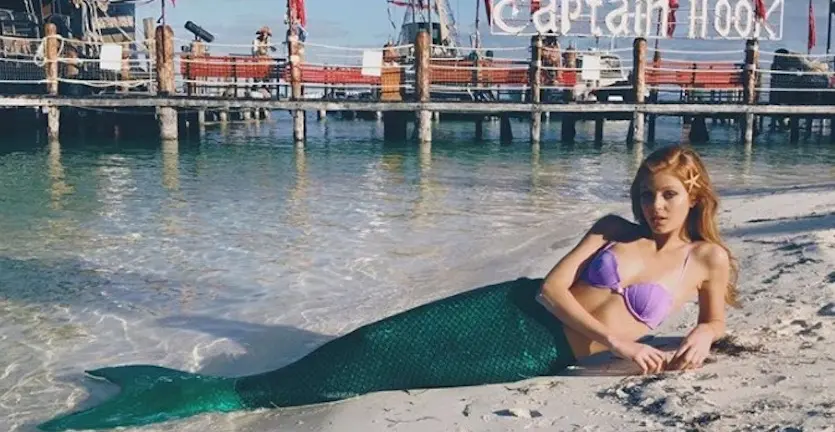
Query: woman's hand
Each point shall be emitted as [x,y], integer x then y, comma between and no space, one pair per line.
[649,359]
[694,349]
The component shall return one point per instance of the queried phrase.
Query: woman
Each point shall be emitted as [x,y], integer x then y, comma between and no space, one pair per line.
[620,281]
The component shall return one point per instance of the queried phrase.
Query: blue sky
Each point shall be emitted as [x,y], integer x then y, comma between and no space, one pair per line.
[346,22]
[366,23]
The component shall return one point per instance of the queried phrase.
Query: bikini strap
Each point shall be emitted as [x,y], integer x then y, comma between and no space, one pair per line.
[686,260]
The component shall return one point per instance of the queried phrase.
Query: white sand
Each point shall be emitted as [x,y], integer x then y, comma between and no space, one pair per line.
[785,242]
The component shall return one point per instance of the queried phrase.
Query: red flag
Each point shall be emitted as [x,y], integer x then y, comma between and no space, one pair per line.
[535,5]
[297,11]
[671,17]
[488,8]
[759,9]
[812,36]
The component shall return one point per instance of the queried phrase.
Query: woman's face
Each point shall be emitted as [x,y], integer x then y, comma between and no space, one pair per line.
[665,202]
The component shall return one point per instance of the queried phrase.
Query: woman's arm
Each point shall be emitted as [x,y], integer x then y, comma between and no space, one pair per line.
[695,347]
[555,289]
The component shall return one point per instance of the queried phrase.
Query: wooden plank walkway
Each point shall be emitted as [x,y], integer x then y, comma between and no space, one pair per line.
[198,103]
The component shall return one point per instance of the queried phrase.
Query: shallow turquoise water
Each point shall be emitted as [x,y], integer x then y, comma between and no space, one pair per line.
[238,253]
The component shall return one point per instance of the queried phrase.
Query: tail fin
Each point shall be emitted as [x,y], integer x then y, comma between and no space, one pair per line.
[150,394]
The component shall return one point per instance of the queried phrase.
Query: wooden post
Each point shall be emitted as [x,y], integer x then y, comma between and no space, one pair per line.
[598,130]
[653,97]
[505,129]
[423,46]
[53,123]
[569,126]
[148,29]
[295,59]
[535,79]
[165,60]
[51,44]
[639,85]
[167,116]
[752,59]
[479,127]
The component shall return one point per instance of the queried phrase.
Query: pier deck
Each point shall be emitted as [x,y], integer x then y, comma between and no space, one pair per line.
[203,103]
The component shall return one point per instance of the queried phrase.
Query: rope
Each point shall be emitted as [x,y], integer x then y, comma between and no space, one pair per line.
[691,52]
[342,48]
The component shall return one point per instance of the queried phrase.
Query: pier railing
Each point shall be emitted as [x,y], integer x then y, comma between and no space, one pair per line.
[56,65]
[538,72]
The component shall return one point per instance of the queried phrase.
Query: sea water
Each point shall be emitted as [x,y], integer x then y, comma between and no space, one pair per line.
[238,253]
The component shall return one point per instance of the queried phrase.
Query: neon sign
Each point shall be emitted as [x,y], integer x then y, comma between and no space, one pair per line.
[700,19]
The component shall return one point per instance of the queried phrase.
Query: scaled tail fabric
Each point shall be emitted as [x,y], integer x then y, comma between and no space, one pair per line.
[493,334]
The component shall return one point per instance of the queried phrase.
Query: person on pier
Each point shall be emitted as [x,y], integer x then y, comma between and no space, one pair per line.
[262,44]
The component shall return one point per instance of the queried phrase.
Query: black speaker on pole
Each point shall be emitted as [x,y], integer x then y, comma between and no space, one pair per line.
[199,32]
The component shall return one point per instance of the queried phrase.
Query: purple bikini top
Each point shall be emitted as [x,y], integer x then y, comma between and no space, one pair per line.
[649,302]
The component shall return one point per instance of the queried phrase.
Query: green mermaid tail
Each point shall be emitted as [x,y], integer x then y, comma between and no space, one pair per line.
[493,334]
[151,394]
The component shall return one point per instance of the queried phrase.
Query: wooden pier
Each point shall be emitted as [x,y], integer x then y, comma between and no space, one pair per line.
[211,86]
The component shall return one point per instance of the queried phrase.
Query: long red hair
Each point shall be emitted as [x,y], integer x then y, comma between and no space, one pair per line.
[701,225]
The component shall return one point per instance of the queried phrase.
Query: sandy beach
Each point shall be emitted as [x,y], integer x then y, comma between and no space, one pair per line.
[772,373]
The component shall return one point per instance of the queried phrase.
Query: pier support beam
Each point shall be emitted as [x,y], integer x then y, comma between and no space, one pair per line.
[505,130]
[53,114]
[295,59]
[569,121]
[53,121]
[201,121]
[422,58]
[298,127]
[424,126]
[479,128]
[752,60]
[639,83]
[167,116]
[598,130]
[535,81]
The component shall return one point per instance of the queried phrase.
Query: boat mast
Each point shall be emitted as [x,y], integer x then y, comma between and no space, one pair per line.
[477,21]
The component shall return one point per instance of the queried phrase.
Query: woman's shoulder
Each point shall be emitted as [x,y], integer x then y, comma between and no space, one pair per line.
[711,255]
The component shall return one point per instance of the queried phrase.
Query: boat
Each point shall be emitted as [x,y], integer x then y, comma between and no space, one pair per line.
[95,21]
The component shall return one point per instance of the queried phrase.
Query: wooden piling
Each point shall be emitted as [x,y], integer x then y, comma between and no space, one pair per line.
[295,60]
[598,130]
[653,97]
[505,130]
[794,129]
[535,79]
[53,121]
[167,116]
[423,46]
[51,45]
[569,125]
[749,91]
[479,128]
[639,85]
